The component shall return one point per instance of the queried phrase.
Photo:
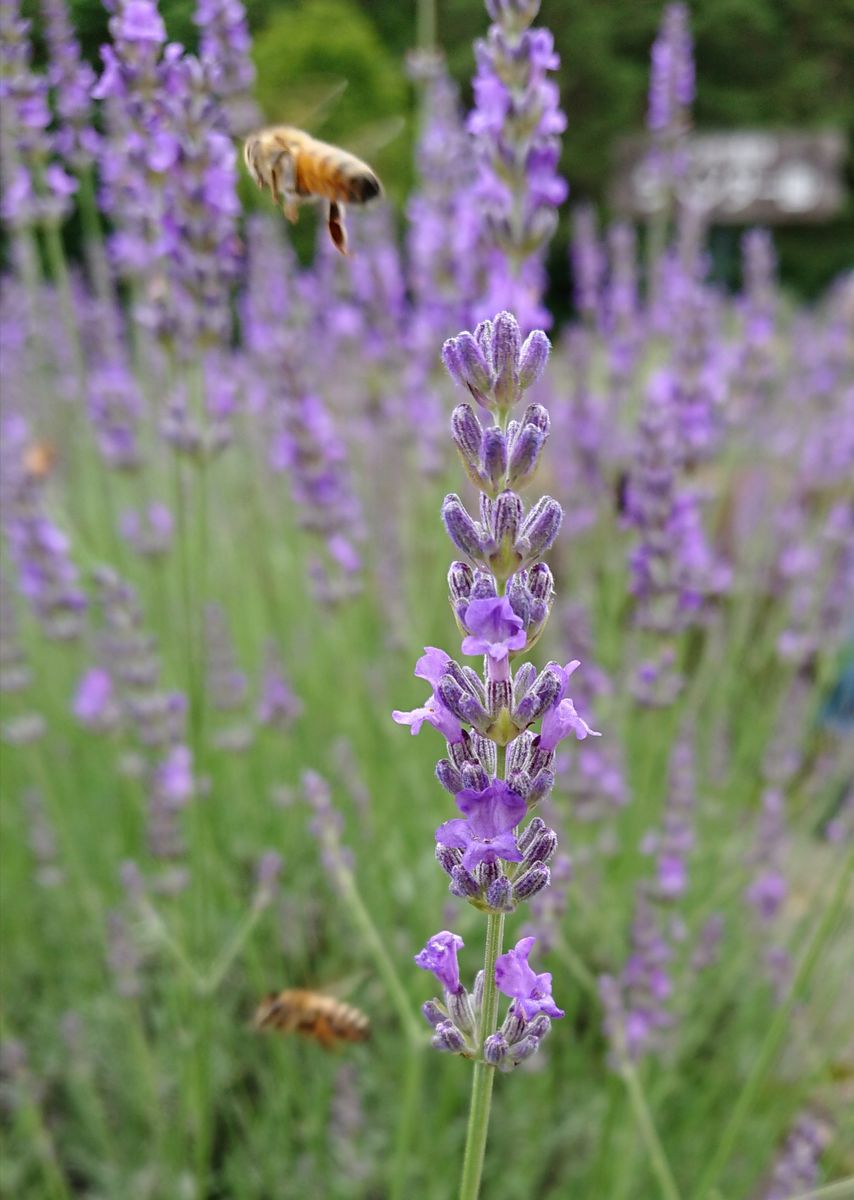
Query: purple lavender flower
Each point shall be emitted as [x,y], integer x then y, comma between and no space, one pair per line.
[71,80]
[796,1169]
[278,705]
[485,835]
[224,51]
[516,124]
[34,187]
[495,630]
[560,718]
[432,666]
[150,531]
[531,994]
[94,703]
[671,94]
[440,957]
[636,1004]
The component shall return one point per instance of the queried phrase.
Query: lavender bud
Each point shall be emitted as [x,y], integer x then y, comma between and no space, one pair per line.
[519,750]
[486,753]
[520,781]
[519,596]
[541,847]
[540,758]
[483,587]
[477,991]
[463,705]
[460,1010]
[487,873]
[495,1049]
[513,1027]
[533,358]
[461,529]
[460,752]
[499,695]
[449,777]
[494,456]
[448,858]
[474,684]
[433,1013]
[541,582]
[531,882]
[468,436]
[524,1049]
[541,785]
[448,1037]
[473,776]
[539,1026]
[483,336]
[544,692]
[499,895]
[524,457]
[507,518]
[530,833]
[541,526]
[463,884]
[460,579]
[537,416]
[506,344]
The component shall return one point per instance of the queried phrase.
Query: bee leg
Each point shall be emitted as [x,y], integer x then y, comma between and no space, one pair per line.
[283,179]
[325,1034]
[289,208]
[337,229]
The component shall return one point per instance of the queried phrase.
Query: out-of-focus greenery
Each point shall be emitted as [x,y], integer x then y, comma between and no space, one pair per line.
[761,63]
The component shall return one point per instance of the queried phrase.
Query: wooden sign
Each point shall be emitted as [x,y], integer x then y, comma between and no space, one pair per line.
[749,177]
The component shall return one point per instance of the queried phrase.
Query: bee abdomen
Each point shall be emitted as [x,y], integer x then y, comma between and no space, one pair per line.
[362,187]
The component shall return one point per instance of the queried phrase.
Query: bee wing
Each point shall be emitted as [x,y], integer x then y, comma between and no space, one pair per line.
[343,988]
[310,106]
[373,138]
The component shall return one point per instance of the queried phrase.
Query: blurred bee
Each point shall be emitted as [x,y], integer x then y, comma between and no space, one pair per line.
[39,459]
[315,1015]
[298,168]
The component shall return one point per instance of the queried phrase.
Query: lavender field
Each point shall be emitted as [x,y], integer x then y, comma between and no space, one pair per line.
[598,911]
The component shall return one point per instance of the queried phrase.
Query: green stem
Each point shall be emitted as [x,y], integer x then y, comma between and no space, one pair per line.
[771,1043]
[649,1134]
[484,1073]
[364,923]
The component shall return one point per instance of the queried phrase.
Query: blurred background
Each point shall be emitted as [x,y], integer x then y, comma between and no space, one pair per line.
[761,64]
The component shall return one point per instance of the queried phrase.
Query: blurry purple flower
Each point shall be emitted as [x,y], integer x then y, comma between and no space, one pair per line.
[93,700]
[174,776]
[532,994]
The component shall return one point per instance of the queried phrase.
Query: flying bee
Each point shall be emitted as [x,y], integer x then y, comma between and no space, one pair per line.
[315,1015]
[298,168]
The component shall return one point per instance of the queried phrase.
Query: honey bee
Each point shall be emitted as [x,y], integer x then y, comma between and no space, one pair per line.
[298,168]
[313,1014]
[39,459]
